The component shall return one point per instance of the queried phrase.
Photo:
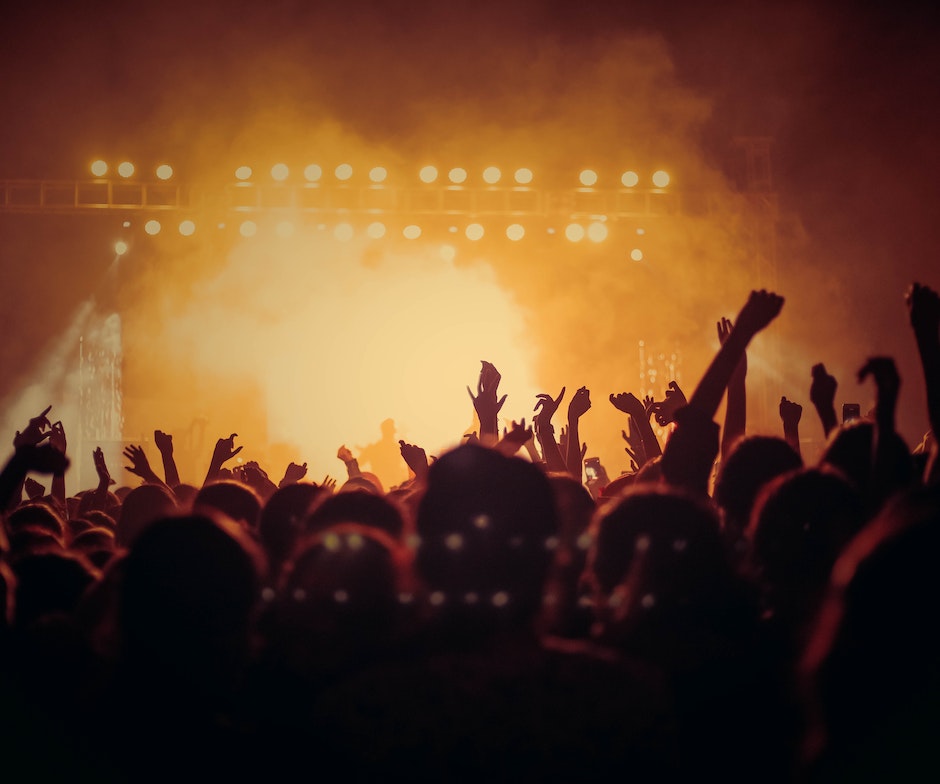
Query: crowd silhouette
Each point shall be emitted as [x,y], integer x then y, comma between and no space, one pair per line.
[509,613]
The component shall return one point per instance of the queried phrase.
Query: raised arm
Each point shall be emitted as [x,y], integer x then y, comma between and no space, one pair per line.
[639,415]
[164,442]
[822,394]
[736,408]
[884,475]
[545,408]
[486,403]
[579,405]
[59,442]
[790,414]
[224,451]
[924,308]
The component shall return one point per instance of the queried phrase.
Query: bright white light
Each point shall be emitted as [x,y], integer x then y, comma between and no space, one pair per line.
[126,169]
[411,232]
[574,232]
[280,172]
[120,247]
[243,173]
[641,232]
[248,229]
[515,232]
[344,232]
[376,230]
[474,231]
[636,254]
[660,179]
[448,252]
[164,171]
[588,178]
[187,228]
[428,174]
[126,224]
[344,171]
[378,174]
[523,176]
[152,227]
[630,179]
[457,175]
[284,229]
[597,232]
[312,172]
[99,168]
[491,175]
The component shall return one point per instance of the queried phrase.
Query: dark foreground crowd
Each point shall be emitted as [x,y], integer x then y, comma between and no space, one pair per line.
[494,618]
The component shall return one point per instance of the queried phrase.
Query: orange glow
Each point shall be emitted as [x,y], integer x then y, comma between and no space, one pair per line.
[574,232]
[126,169]
[152,227]
[344,232]
[376,230]
[243,173]
[597,232]
[99,168]
[448,252]
[660,179]
[187,228]
[248,229]
[164,171]
[284,229]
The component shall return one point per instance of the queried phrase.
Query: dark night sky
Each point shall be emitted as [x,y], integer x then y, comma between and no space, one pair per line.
[847,90]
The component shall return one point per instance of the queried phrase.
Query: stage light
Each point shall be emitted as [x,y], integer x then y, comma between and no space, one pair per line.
[378,174]
[312,173]
[99,168]
[515,232]
[248,229]
[187,228]
[641,232]
[344,232]
[284,229]
[448,252]
[457,175]
[597,232]
[243,173]
[164,171]
[630,179]
[120,247]
[428,174]
[411,232]
[491,175]
[523,176]
[126,224]
[126,169]
[376,230]
[474,231]
[280,172]
[588,178]
[660,179]
[574,232]
[636,254]
[344,171]
[152,227]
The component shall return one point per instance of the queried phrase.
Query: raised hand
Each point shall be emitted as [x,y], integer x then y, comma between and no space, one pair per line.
[665,411]
[37,429]
[517,436]
[57,437]
[415,458]
[101,468]
[822,390]
[33,489]
[923,305]
[648,403]
[344,454]
[580,403]
[630,404]
[293,474]
[225,450]
[724,331]
[328,483]
[486,404]
[164,442]
[790,413]
[887,381]
[139,464]
[761,308]
[548,406]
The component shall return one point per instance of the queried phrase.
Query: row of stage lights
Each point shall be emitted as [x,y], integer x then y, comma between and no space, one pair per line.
[378,175]
[595,232]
